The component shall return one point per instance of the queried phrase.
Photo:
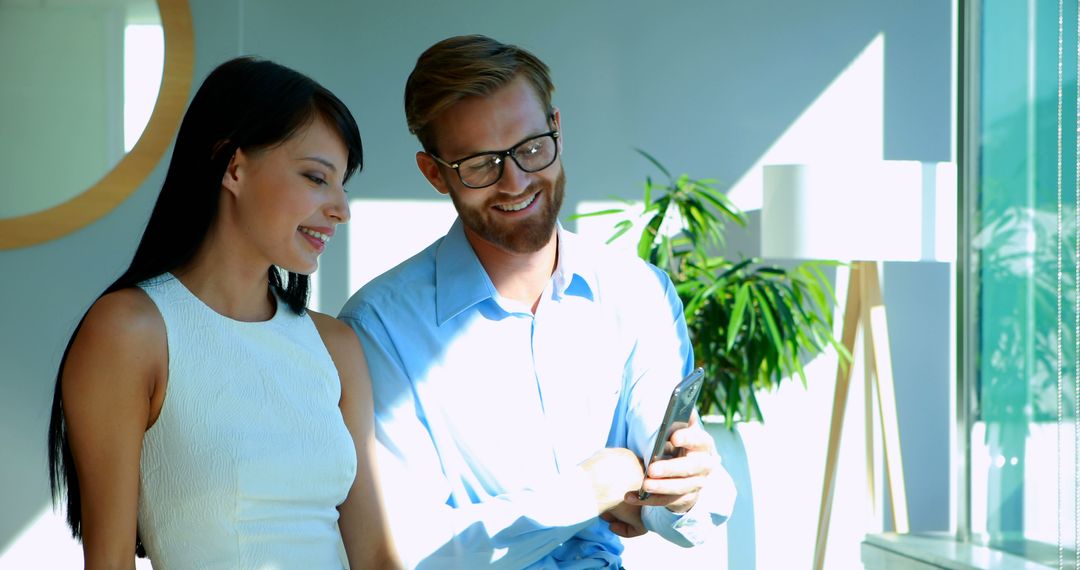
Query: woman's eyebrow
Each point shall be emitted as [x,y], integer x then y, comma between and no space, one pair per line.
[321,161]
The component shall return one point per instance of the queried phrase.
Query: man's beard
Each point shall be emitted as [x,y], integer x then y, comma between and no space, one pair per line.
[519,236]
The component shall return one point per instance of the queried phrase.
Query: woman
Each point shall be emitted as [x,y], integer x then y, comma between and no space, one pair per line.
[201,412]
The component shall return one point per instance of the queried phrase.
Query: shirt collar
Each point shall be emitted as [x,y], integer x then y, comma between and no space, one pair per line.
[574,273]
[461,281]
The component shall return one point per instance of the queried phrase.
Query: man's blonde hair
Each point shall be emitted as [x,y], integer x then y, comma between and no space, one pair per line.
[462,66]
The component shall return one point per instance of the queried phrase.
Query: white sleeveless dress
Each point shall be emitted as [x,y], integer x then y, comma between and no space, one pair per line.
[250,456]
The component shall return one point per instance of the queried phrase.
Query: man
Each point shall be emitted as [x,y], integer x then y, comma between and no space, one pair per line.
[520,372]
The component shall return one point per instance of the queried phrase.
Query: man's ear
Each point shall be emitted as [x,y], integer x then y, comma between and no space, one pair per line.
[430,169]
[234,171]
[556,123]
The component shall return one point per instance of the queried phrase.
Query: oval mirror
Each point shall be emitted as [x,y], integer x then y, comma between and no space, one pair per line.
[92,95]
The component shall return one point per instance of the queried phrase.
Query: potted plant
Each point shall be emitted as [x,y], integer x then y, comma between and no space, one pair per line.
[750,323]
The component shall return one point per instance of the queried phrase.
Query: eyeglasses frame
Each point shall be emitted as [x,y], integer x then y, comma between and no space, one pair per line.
[502,154]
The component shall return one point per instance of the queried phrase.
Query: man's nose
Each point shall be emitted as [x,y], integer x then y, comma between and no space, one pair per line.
[514,179]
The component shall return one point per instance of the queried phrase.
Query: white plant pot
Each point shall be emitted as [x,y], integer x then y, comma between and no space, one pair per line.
[735,548]
[741,536]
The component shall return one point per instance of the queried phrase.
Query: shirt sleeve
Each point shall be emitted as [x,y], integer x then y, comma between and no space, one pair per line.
[510,530]
[694,527]
[662,356]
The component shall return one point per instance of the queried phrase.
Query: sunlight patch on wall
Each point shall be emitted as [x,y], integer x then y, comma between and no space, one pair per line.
[384,233]
[47,543]
[144,54]
[314,296]
[846,122]
[601,228]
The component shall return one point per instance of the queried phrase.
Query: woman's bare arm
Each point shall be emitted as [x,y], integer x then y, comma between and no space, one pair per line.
[112,389]
[362,522]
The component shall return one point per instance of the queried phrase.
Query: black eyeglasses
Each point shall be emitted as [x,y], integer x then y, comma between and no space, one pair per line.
[486,168]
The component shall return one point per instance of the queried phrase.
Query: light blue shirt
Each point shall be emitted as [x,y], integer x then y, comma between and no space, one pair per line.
[483,410]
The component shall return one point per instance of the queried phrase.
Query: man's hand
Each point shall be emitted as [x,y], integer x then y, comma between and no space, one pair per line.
[675,483]
[613,473]
[625,520]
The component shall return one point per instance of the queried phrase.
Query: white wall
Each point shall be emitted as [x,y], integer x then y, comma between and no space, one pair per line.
[708,87]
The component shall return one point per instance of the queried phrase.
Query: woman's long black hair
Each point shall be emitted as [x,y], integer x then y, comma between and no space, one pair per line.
[245,103]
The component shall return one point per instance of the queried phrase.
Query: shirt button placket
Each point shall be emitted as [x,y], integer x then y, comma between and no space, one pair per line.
[537,359]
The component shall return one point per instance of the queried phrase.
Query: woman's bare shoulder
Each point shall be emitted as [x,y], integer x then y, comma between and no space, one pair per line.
[334,332]
[123,332]
[344,348]
[127,312]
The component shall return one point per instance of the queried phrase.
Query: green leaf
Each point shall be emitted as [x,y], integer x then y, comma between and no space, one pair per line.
[813,288]
[707,225]
[721,202]
[797,300]
[599,213]
[648,236]
[742,297]
[685,184]
[655,162]
[754,407]
[770,322]
[736,268]
[781,303]
[799,369]
[659,205]
[620,229]
[823,280]
[731,405]
[841,350]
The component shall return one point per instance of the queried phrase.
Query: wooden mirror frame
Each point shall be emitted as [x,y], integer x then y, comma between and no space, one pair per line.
[135,166]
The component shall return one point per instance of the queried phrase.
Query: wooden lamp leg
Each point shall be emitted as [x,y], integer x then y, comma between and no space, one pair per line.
[865,307]
[869,370]
[878,332]
[843,383]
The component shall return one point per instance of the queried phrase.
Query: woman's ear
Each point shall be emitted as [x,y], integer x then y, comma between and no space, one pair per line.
[231,179]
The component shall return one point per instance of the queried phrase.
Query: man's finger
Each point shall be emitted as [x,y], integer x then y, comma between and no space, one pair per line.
[678,486]
[689,465]
[693,438]
[677,503]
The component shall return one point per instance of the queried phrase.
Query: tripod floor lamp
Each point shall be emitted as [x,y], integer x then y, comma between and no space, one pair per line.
[860,213]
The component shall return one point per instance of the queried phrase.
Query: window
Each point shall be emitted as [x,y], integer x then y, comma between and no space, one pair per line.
[1018,347]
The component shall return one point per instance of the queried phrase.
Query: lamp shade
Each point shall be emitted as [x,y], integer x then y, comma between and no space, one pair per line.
[874,210]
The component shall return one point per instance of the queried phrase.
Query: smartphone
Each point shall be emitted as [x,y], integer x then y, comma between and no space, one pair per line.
[679,409]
